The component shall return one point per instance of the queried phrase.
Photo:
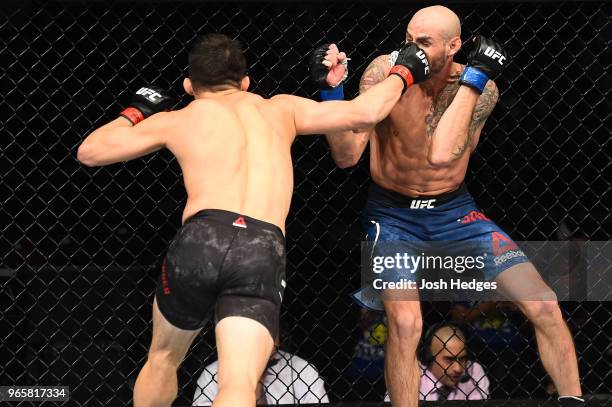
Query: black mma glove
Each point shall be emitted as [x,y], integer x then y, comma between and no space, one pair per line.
[411,65]
[485,61]
[146,102]
[320,72]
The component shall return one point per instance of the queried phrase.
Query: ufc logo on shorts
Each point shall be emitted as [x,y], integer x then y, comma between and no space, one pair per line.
[423,59]
[149,93]
[490,52]
[422,204]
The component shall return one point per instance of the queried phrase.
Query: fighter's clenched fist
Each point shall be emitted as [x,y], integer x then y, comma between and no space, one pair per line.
[485,61]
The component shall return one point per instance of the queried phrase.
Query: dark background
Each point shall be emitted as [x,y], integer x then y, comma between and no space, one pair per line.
[81,246]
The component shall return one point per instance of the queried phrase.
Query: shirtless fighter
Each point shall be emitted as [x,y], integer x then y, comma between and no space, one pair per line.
[418,160]
[228,258]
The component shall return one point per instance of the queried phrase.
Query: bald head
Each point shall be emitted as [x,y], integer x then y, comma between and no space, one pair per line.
[437,31]
[448,346]
[439,19]
[444,336]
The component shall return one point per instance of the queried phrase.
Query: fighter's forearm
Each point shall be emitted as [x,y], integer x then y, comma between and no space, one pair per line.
[347,147]
[118,123]
[453,134]
[104,138]
[110,130]
[119,141]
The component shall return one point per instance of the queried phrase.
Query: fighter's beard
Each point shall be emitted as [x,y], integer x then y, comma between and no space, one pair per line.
[437,65]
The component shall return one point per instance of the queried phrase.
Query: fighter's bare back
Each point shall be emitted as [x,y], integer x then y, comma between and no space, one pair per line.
[234,152]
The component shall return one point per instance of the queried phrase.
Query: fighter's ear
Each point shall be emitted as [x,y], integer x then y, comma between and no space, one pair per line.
[245,83]
[454,45]
[187,86]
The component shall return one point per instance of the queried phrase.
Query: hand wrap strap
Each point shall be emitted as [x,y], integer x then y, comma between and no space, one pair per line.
[134,115]
[474,78]
[405,74]
[336,93]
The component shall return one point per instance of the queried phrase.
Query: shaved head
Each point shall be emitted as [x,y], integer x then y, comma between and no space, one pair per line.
[444,336]
[437,31]
[439,19]
[449,349]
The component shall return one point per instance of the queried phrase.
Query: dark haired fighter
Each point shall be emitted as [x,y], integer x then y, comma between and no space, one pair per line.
[419,156]
[228,258]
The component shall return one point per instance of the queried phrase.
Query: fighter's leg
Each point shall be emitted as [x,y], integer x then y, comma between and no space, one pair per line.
[524,285]
[244,347]
[402,372]
[248,311]
[157,382]
[186,299]
[518,279]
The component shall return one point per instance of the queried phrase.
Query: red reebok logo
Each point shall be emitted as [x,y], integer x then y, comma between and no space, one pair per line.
[502,244]
[240,222]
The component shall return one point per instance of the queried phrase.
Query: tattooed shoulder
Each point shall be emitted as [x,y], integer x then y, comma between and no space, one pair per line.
[375,72]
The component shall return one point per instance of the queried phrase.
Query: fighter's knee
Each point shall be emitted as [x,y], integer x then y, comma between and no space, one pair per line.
[542,312]
[404,324]
[163,360]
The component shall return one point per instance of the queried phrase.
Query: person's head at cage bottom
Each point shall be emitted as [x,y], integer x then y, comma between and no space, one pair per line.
[287,379]
[227,260]
[419,157]
[448,369]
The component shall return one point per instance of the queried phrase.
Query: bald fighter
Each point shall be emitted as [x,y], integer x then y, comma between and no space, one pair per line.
[419,155]
[228,258]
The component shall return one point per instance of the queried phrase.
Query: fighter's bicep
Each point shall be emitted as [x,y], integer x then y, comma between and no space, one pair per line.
[303,112]
[324,117]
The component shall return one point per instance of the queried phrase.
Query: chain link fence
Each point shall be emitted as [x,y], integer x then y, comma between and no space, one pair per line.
[81,247]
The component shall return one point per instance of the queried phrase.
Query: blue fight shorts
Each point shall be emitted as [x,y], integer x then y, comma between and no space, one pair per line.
[451,217]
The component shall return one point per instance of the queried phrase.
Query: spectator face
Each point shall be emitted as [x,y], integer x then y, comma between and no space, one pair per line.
[450,357]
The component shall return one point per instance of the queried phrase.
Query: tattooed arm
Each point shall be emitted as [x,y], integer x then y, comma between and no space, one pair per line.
[347,147]
[455,123]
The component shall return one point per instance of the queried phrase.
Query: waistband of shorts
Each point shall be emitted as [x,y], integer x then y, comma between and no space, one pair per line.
[235,219]
[394,199]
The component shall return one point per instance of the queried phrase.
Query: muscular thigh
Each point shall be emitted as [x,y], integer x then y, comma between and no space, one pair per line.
[169,341]
[244,347]
[474,234]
